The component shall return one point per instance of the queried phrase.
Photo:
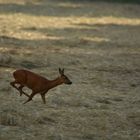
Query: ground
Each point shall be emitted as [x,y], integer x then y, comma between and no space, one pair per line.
[97,43]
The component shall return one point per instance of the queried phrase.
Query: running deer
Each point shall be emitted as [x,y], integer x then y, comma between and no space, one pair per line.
[38,84]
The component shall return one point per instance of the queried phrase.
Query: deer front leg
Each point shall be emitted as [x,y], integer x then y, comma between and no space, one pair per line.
[43,96]
[30,97]
[22,92]
[20,89]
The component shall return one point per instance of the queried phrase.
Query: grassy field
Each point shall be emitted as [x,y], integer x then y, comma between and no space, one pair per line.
[98,44]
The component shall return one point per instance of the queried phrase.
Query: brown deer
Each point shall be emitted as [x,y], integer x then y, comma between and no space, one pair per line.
[38,84]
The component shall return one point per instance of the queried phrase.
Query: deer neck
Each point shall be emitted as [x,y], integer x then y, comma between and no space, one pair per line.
[55,82]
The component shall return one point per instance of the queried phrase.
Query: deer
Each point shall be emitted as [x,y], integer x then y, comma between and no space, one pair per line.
[37,83]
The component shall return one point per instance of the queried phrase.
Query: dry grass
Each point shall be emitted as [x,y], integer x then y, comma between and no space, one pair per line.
[98,44]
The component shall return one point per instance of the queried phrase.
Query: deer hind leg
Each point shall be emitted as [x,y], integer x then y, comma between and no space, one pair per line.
[13,84]
[30,97]
[19,88]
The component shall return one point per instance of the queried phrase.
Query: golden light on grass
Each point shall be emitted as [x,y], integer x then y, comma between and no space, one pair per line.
[96,39]
[4,49]
[106,20]
[70,5]
[63,22]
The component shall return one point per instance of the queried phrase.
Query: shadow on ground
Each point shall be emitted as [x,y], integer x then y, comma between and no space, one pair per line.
[70,8]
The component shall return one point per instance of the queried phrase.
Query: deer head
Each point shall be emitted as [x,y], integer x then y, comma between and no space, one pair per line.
[65,79]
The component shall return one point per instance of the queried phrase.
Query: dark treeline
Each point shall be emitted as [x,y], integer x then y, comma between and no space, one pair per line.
[112,1]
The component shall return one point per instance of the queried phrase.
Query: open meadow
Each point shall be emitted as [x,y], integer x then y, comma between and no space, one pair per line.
[98,44]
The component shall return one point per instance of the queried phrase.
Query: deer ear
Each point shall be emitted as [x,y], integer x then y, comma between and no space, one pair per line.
[60,71]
